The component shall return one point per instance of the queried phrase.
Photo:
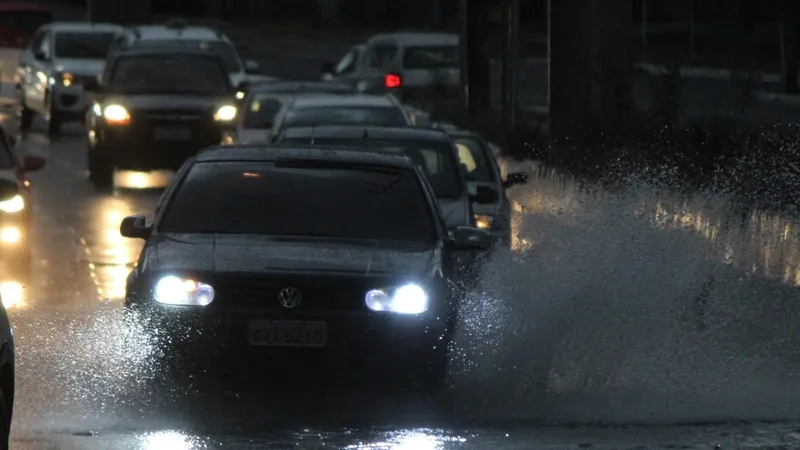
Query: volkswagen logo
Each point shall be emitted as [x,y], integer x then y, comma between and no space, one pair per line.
[289,297]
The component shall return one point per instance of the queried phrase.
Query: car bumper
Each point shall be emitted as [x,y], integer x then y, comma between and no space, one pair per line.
[231,340]
[71,102]
[139,150]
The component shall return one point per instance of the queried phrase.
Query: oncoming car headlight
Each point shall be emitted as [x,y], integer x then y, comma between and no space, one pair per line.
[225,113]
[13,205]
[406,299]
[116,114]
[172,290]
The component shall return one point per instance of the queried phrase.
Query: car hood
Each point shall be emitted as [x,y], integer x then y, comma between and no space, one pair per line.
[241,253]
[80,67]
[171,102]
[455,212]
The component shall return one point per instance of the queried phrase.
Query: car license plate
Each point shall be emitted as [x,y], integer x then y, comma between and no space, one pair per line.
[278,333]
[172,134]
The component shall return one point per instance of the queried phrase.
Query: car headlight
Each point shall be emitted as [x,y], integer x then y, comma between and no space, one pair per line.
[406,299]
[225,114]
[483,221]
[172,290]
[116,115]
[240,95]
[13,205]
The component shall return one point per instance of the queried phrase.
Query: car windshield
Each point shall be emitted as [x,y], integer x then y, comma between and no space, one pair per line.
[169,73]
[82,45]
[388,116]
[436,159]
[320,199]
[24,20]
[474,158]
[224,49]
[261,110]
[431,57]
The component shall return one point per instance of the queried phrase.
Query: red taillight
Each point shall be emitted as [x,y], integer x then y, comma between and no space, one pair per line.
[392,80]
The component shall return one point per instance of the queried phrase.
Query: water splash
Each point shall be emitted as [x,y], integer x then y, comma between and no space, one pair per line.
[640,323]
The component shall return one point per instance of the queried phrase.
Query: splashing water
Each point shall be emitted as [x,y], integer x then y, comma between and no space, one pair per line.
[627,321]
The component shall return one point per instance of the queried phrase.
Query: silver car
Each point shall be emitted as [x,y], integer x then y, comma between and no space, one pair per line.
[356,109]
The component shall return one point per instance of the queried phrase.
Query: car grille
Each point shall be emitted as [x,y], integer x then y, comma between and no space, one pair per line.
[320,292]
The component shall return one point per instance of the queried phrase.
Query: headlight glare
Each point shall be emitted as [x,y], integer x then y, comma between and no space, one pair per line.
[172,290]
[116,114]
[13,205]
[225,113]
[483,221]
[406,299]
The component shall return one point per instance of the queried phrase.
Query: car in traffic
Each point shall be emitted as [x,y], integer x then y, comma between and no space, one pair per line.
[16,207]
[432,150]
[265,100]
[481,169]
[155,108]
[19,21]
[61,60]
[356,109]
[410,65]
[7,372]
[298,258]
[241,71]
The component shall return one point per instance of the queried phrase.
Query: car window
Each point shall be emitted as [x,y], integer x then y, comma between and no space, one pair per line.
[24,20]
[300,199]
[82,45]
[348,63]
[431,57]
[345,115]
[223,49]
[381,55]
[169,73]
[474,157]
[437,160]
[261,111]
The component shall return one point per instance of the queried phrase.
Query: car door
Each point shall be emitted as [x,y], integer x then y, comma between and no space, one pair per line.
[41,71]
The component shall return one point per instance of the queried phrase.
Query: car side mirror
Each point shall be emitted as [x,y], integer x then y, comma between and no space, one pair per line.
[251,67]
[483,195]
[514,179]
[32,163]
[39,55]
[471,238]
[327,68]
[8,189]
[134,227]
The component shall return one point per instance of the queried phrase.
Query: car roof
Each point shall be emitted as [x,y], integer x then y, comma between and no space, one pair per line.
[420,38]
[168,51]
[367,132]
[19,6]
[315,100]
[282,152]
[165,32]
[292,86]
[87,27]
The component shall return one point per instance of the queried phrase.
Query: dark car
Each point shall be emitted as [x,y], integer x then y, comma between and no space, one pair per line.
[481,169]
[16,207]
[156,108]
[430,149]
[298,258]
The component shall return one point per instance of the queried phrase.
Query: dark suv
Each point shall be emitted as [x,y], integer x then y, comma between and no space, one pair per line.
[155,108]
